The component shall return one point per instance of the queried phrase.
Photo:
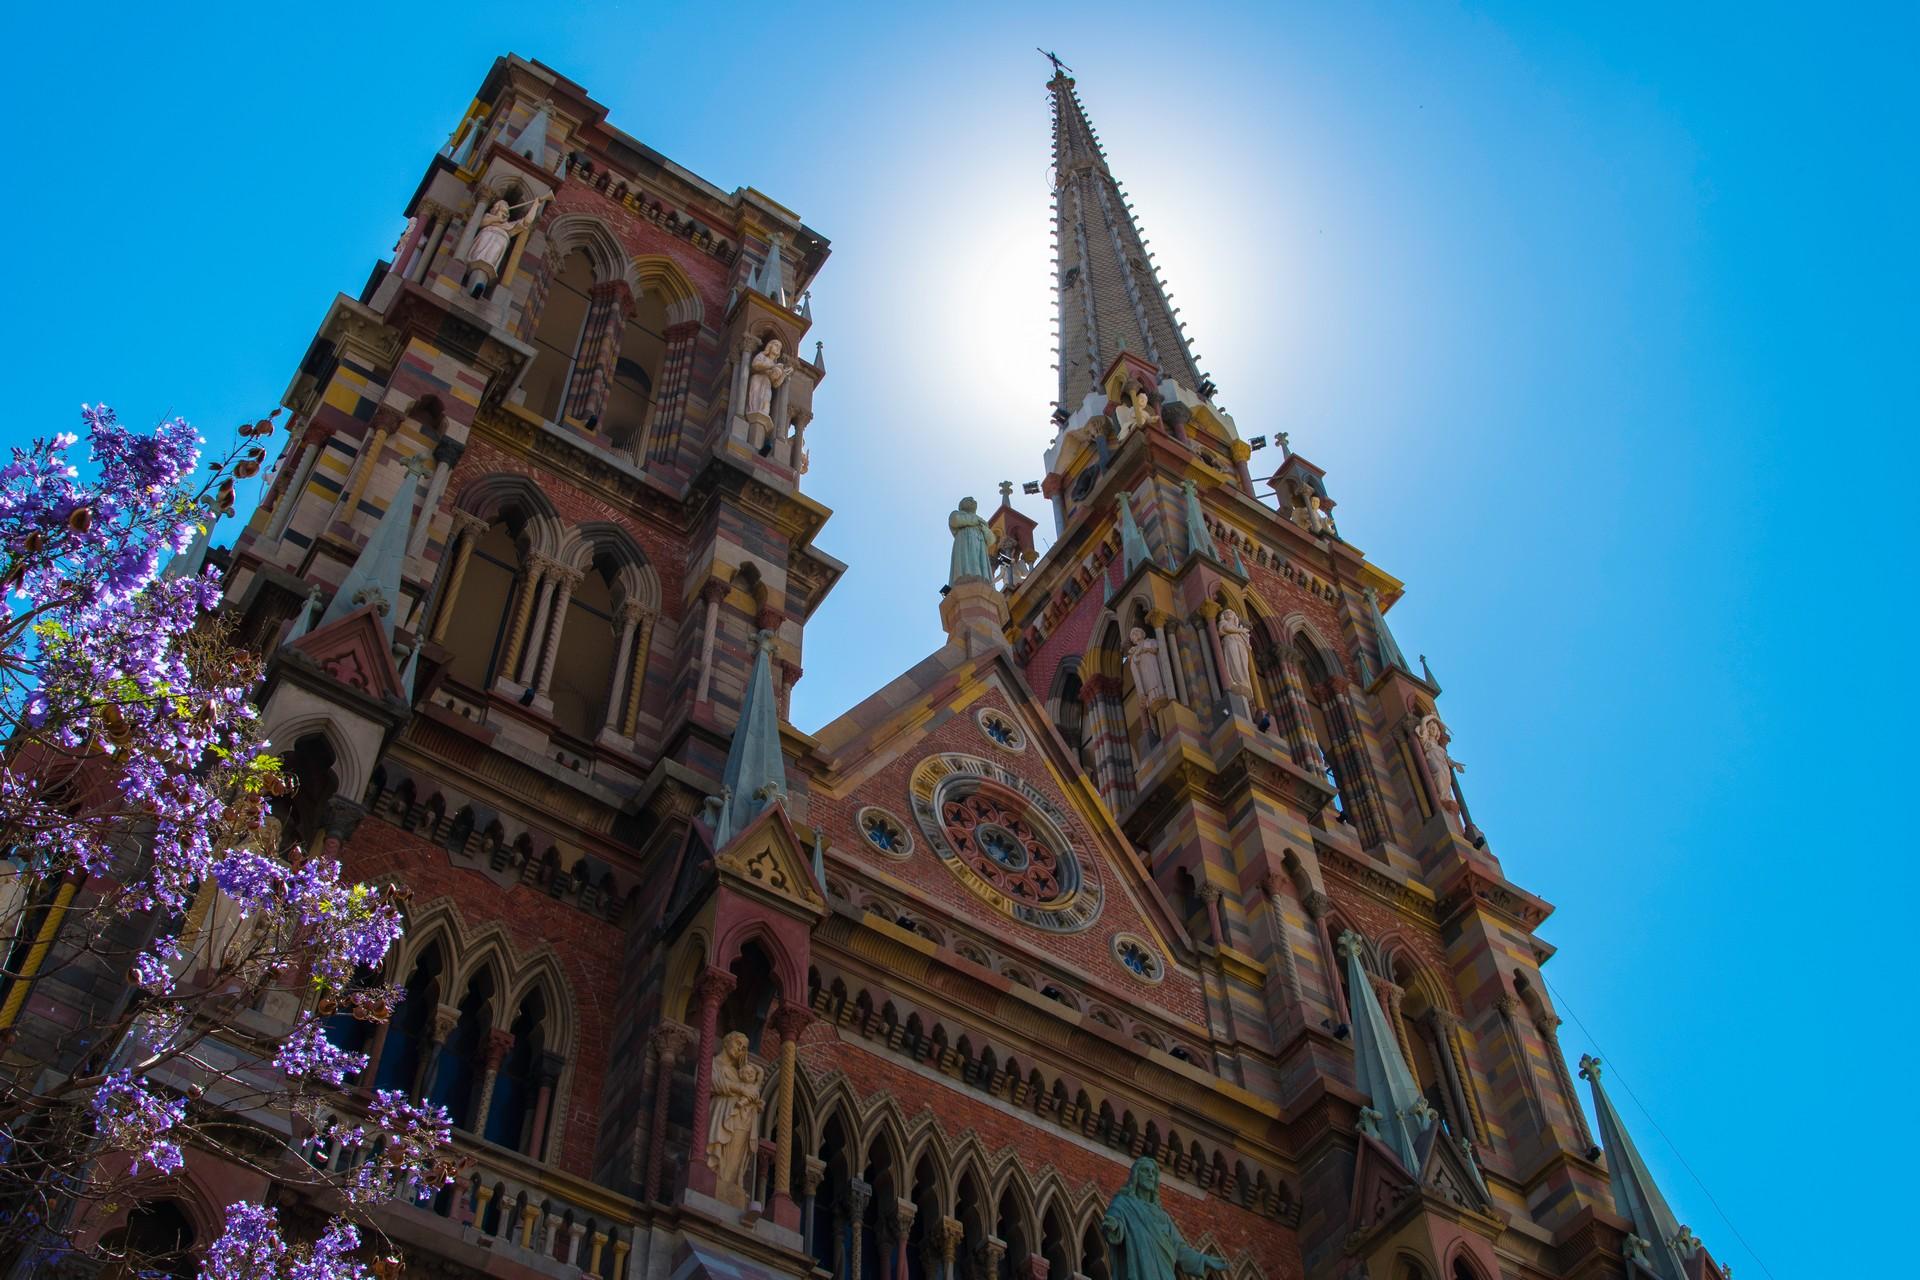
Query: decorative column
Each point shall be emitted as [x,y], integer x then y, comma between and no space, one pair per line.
[811,1174]
[904,1212]
[630,614]
[445,1018]
[464,536]
[549,1068]
[790,675]
[1034,1267]
[364,463]
[1275,893]
[599,1247]
[992,1251]
[296,483]
[530,643]
[637,677]
[859,1192]
[669,1042]
[711,594]
[1389,995]
[712,988]
[788,1023]
[742,368]
[1169,669]
[948,1235]
[1549,1029]
[1296,721]
[445,454]
[532,577]
[670,397]
[1317,905]
[499,1045]
[797,450]
[1443,1027]
[607,307]
[567,580]
[1509,1009]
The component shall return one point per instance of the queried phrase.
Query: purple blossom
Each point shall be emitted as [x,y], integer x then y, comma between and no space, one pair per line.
[131,1117]
[307,1054]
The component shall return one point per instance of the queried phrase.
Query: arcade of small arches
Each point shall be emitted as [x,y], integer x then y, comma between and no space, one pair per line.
[971,1060]
[484,1030]
[885,1197]
[1056,987]
[563,617]
[509,851]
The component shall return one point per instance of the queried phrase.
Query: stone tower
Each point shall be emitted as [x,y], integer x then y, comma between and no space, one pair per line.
[1160,855]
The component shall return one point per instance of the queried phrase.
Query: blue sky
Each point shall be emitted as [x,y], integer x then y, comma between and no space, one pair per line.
[1601,321]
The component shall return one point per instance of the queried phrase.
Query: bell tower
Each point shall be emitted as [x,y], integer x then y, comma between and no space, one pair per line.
[1218,653]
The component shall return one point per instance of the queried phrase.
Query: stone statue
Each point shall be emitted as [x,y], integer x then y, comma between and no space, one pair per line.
[1141,413]
[733,1116]
[1142,1242]
[767,371]
[1143,659]
[498,227]
[1434,738]
[1236,651]
[970,532]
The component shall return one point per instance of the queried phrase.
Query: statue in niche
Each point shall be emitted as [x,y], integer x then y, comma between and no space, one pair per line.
[970,533]
[1143,660]
[733,1116]
[1011,562]
[1434,738]
[1142,1242]
[765,372]
[1236,651]
[498,227]
[1141,410]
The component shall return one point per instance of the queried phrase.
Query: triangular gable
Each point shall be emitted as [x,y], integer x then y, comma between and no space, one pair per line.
[1381,1187]
[1450,1175]
[354,650]
[695,869]
[768,859]
[869,736]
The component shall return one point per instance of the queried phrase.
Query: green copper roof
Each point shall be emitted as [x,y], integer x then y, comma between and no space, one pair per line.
[375,576]
[1400,1113]
[1661,1244]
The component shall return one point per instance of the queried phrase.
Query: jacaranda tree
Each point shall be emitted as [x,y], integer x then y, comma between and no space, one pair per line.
[142,859]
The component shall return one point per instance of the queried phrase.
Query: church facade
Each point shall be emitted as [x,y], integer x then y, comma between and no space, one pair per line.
[1161,856]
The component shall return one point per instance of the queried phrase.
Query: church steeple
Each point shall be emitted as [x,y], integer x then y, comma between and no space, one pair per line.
[1110,296]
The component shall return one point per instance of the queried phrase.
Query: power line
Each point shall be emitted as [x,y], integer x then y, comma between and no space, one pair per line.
[1614,1073]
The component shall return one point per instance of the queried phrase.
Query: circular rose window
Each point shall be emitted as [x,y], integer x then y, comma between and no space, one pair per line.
[1005,841]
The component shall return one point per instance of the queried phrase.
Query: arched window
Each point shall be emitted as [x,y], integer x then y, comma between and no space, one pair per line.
[477,629]
[1331,730]
[156,1240]
[510,1116]
[747,1006]
[583,667]
[556,339]
[456,1080]
[412,1024]
[830,1236]
[636,372]
[311,766]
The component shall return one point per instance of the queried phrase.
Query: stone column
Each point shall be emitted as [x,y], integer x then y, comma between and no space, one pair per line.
[1389,995]
[637,677]
[1317,904]
[599,1247]
[904,1212]
[630,613]
[445,454]
[549,1067]
[465,535]
[499,1045]
[797,448]
[788,1023]
[1282,945]
[1170,671]
[1210,623]
[811,1174]
[711,595]
[445,1018]
[599,349]
[1034,1267]
[530,642]
[1440,1025]
[859,1193]
[992,1250]
[670,397]
[712,988]
[566,580]
[1509,1009]
[742,367]
[364,464]
[948,1235]
[669,1042]
[532,577]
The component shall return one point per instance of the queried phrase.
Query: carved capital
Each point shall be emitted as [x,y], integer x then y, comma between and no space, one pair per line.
[447,452]
[811,1175]
[632,611]
[548,1069]
[1317,904]
[859,1192]
[903,1215]
[948,1233]
[445,1018]
[789,1020]
[1507,1004]
[465,522]
[669,1041]
[499,1045]
[1210,894]
[712,591]
[713,986]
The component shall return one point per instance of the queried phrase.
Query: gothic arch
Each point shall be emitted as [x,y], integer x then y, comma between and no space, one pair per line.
[352,766]
[683,969]
[663,278]
[569,231]
[786,970]
[579,547]
[490,496]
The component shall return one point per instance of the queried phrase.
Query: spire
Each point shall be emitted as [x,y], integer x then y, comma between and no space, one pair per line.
[1110,297]
[1663,1246]
[772,276]
[532,139]
[755,774]
[1199,537]
[1133,547]
[1399,1114]
[1390,655]
[375,576]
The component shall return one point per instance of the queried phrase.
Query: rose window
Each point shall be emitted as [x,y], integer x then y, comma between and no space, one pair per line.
[884,832]
[996,841]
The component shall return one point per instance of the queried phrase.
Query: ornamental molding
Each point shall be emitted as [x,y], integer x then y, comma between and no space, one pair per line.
[1377,883]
